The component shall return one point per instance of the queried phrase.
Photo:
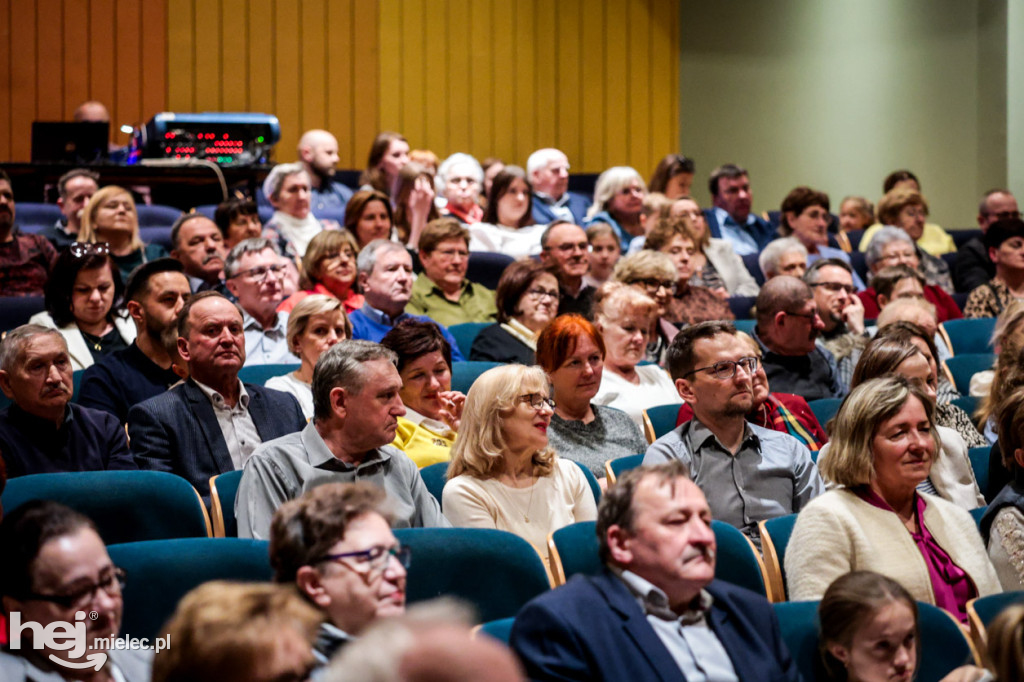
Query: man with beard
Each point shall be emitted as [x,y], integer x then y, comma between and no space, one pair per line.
[42,432]
[749,473]
[154,296]
[25,259]
[255,276]
[198,243]
[788,326]
[318,154]
[842,313]
[566,253]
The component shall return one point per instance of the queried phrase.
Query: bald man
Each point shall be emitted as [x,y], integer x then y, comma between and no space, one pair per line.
[318,153]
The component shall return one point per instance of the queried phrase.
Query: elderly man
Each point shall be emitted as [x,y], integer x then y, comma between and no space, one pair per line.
[749,473]
[566,252]
[442,292]
[25,259]
[548,170]
[972,266]
[74,189]
[156,293]
[731,217]
[785,256]
[318,154]
[355,415]
[42,432]
[198,244]
[212,422]
[788,325]
[255,276]
[841,312]
[655,612]
[335,545]
[55,571]
[384,272]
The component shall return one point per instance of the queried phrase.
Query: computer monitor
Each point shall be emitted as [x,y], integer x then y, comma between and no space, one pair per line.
[70,142]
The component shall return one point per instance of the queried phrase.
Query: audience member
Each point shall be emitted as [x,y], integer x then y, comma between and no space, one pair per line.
[198,244]
[1004,635]
[656,541]
[907,210]
[356,404]
[654,274]
[388,155]
[110,218]
[55,569]
[1008,333]
[973,267]
[212,422]
[1003,522]
[784,256]
[74,189]
[414,203]
[84,298]
[527,299]
[604,252]
[548,170]
[254,272]
[459,180]
[564,250]
[368,217]
[804,214]
[840,310]
[318,154]
[25,259]
[156,293]
[425,158]
[855,213]
[329,268]
[507,225]
[441,291]
[673,176]
[731,217]
[1004,240]
[238,219]
[42,431]
[788,325]
[293,225]
[890,247]
[619,202]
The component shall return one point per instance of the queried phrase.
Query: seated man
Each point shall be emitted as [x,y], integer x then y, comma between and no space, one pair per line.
[155,295]
[198,244]
[43,432]
[355,415]
[74,189]
[655,612]
[548,170]
[335,545]
[442,292]
[731,217]
[255,276]
[385,278]
[212,422]
[55,570]
[25,259]
[972,266]
[318,154]
[788,326]
[566,252]
[841,312]
[748,473]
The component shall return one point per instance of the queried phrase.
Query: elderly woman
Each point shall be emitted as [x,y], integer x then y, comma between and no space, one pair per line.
[715,263]
[653,273]
[314,325]
[368,217]
[673,177]
[110,217]
[786,256]
[427,431]
[619,202]
[459,180]
[527,299]
[891,246]
[855,213]
[804,214]
[624,316]
[329,268]
[293,224]
[571,352]
[507,225]
[903,206]
[1004,240]
[883,446]
[504,474]
[1002,526]
[83,302]
[388,154]
[605,251]
[905,211]
[414,203]
[238,219]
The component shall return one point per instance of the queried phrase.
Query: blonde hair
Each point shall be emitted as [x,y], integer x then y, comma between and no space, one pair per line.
[610,183]
[1006,643]
[615,299]
[896,200]
[87,231]
[645,264]
[897,310]
[314,304]
[481,448]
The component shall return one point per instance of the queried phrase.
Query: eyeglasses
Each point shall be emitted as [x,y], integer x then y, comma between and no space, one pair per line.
[260,273]
[652,285]
[83,249]
[375,558]
[338,255]
[542,293]
[913,212]
[536,401]
[726,369]
[807,316]
[836,287]
[80,599]
[451,254]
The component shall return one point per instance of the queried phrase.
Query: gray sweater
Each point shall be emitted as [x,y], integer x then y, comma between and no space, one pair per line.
[612,434]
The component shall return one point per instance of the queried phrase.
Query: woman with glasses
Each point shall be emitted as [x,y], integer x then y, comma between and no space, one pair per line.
[329,268]
[84,302]
[507,225]
[804,214]
[110,217]
[654,274]
[908,210]
[459,181]
[527,299]
[504,474]
[619,202]
[293,225]
[892,246]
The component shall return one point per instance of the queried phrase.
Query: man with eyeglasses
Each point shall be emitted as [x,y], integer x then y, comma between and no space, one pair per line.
[335,544]
[54,567]
[25,259]
[255,276]
[566,252]
[442,291]
[841,311]
[748,473]
[548,170]
[973,267]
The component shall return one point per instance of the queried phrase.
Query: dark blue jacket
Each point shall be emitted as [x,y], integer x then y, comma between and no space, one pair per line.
[578,205]
[123,379]
[761,229]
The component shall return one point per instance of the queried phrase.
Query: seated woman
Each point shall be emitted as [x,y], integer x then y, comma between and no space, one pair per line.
[624,316]
[891,247]
[414,203]
[571,352]
[905,207]
[110,217]
[293,224]
[673,177]
[654,274]
[388,155]
[883,446]
[856,213]
[427,431]
[784,256]
[368,217]
[238,219]
[83,301]
[503,473]
[895,245]
[619,202]
[507,225]
[605,251]
[1002,526]
[328,268]
[715,263]
[314,325]
[459,180]
[804,214]
[1004,240]
[1004,635]
[527,299]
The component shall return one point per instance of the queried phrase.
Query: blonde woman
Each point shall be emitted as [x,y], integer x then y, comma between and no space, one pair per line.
[503,473]
[110,217]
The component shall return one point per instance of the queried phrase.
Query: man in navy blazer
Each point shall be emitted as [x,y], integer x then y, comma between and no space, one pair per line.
[656,612]
[731,217]
[212,422]
[548,170]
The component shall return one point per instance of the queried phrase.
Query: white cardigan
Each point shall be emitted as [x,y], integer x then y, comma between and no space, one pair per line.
[78,350]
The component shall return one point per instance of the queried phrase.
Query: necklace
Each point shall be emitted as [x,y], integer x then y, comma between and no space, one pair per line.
[529,504]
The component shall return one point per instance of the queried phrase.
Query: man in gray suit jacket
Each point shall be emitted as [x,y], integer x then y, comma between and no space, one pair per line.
[212,422]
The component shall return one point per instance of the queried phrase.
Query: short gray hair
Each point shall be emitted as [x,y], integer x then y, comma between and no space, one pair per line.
[13,346]
[367,258]
[610,183]
[341,366]
[813,273]
[277,175]
[769,258]
[543,157]
[254,245]
[882,239]
[476,171]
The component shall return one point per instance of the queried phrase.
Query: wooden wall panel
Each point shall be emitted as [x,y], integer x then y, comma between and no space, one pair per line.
[5,77]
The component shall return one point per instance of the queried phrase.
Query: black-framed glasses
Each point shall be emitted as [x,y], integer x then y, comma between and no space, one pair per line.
[726,369]
[652,285]
[808,316]
[375,558]
[261,272]
[83,249]
[112,584]
[536,401]
[541,293]
[835,287]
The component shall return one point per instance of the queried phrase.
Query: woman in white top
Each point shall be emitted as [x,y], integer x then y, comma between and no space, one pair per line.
[293,224]
[507,226]
[503,473]
[315,324]
[624,316]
